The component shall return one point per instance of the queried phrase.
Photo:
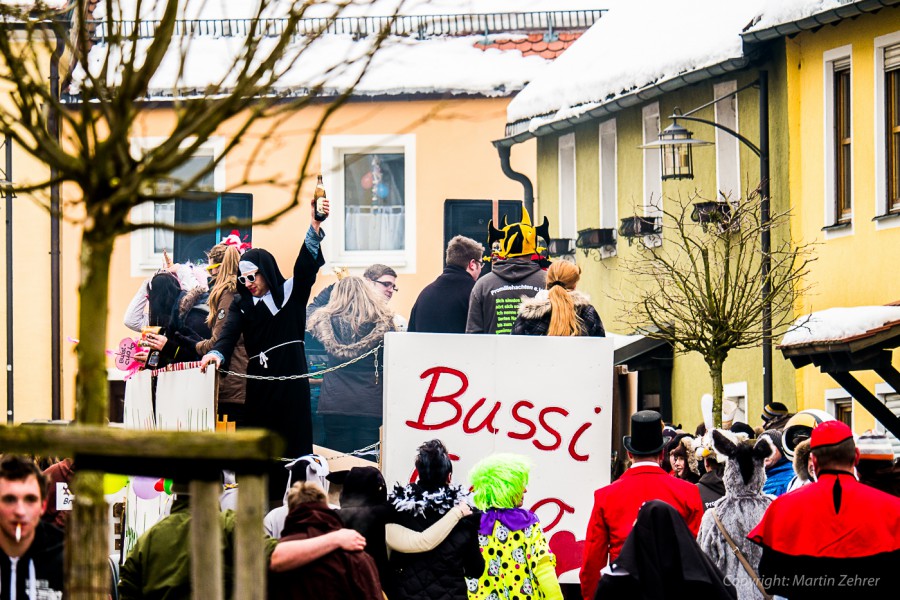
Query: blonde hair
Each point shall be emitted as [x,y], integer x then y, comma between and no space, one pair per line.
[305,491]
[226,280]
[563,276]
[357,304]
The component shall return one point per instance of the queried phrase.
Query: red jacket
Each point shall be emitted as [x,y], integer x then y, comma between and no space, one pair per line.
[824,536]
[615,510]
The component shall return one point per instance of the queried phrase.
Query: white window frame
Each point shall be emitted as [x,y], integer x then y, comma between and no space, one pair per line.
[887,222]
[829,58]
[834,396]
[333,148]
[144,261]
[568,187]
[882,390]
[609,189]
[738,390]
[652,200]
[728,158]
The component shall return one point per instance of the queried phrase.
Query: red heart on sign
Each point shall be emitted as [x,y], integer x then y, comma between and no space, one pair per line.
[568,551]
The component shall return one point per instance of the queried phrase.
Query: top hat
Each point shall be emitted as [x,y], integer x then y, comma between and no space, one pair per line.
[646,433]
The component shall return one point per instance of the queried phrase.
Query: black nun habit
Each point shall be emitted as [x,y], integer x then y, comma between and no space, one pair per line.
[273,329]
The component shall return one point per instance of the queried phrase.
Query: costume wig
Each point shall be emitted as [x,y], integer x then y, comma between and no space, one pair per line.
[500,480]
[433,465]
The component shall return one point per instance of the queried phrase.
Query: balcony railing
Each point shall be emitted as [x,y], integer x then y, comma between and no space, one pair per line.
[421,26]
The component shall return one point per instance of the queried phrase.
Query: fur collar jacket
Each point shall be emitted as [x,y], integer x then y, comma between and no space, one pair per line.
[539,306]
[534,315]
[340,341]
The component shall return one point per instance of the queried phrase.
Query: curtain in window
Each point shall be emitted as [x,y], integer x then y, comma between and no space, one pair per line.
[374,228]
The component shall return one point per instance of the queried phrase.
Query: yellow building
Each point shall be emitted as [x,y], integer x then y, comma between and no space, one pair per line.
[591,112]
[843,79]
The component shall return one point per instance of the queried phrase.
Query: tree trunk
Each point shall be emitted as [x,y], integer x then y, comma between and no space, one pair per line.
[87,543]
[715,373]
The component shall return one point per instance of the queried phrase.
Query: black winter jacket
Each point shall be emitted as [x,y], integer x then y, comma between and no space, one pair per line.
[443,306]
[438,574]
[534,316]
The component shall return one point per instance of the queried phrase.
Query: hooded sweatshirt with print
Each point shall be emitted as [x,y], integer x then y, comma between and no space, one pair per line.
[495,299]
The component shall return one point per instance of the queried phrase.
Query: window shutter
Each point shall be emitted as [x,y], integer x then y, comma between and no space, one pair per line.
[841,64]
[892,58]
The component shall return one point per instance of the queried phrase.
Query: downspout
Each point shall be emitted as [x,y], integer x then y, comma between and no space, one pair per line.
[10,405]
[528,189]
[55,325]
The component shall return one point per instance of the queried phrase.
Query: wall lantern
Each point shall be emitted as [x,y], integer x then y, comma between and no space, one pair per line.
[675,146]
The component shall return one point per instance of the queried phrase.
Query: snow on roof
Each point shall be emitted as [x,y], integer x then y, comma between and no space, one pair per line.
[404,65]
[634,45]
[786,11]
[839,324]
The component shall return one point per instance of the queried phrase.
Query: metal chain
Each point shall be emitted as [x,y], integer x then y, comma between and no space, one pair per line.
[308,375]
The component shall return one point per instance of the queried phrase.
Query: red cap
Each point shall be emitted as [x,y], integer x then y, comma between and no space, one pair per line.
[829,433]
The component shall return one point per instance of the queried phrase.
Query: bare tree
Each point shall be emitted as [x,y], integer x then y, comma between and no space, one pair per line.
[84,137]
[702,289]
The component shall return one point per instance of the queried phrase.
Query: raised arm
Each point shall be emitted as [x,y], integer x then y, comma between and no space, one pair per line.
[309,260]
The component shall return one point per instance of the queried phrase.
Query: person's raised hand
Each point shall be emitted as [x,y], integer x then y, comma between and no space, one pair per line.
[464,508]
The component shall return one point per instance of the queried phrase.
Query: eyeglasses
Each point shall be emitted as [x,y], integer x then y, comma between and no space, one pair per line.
[248,278]
[387,285]
[213,266]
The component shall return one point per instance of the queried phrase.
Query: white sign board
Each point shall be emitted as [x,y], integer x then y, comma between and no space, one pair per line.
[549,398]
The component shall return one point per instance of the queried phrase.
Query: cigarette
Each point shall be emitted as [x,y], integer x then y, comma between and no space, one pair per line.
[18,532]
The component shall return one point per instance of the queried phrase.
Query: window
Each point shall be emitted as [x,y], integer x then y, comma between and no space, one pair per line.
[568,220]
[887,131]
[734,403]
[842,146]
[608,187]
[838,143]
[370,182]
[839,404]
[891,399]
[202,205]
[728,181]
[652,174]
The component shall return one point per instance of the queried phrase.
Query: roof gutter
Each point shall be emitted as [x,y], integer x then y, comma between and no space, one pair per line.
[828,17]
[518,132]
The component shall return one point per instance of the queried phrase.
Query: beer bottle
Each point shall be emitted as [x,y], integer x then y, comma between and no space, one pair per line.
[319,199]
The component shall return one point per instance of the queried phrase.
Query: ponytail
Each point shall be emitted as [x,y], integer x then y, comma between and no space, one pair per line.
[562,277]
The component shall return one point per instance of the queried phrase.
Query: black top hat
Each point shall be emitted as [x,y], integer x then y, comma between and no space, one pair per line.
[646,433]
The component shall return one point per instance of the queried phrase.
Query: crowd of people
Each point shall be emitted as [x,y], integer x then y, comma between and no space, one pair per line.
[795,507]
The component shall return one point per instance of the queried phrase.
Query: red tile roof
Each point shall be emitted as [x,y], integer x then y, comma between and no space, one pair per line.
[535,43]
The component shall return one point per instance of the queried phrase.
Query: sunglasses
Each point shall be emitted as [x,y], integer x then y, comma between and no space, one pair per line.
[248,278]
[387,285]
[212,266]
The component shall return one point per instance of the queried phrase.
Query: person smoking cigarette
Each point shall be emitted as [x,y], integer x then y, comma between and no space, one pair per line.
[18,532]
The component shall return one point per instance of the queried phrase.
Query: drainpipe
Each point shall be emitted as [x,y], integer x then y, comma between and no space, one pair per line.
[55,325]
[10,405]
[528,200]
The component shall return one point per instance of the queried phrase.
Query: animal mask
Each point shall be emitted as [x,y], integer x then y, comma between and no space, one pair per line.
[518,239]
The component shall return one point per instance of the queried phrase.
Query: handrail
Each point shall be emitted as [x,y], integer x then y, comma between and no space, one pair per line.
[421,26]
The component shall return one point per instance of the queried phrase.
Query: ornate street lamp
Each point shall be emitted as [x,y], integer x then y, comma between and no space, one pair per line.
[675,144]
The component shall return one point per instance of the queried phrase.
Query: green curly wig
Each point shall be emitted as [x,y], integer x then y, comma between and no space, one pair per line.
[500,480]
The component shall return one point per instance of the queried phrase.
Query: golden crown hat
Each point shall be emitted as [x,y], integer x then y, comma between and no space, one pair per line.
[518,239]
